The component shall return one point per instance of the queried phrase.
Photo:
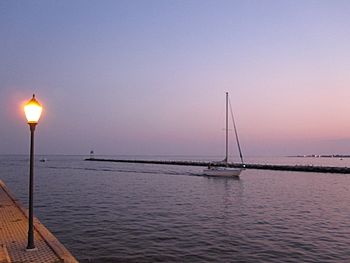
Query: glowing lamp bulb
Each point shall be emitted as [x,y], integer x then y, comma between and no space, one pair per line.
[33,110]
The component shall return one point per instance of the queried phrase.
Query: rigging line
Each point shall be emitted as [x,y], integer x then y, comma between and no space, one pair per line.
[234,126]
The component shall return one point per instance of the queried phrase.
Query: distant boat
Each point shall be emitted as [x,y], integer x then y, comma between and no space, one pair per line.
[216,169]
[43,160]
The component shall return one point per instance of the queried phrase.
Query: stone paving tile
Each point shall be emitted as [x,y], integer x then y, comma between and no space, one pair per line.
[14,231]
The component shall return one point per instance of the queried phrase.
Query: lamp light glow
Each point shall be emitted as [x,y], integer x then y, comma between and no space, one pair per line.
[33,110]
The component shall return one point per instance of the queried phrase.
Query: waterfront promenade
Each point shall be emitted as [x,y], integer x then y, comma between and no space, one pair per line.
[13,235]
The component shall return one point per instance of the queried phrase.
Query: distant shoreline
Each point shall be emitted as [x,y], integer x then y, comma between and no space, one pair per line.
[321,156]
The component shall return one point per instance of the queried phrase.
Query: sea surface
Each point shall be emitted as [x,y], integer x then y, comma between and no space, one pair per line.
[118,212]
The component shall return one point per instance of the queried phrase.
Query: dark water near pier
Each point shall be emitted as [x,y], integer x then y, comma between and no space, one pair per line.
[114,212]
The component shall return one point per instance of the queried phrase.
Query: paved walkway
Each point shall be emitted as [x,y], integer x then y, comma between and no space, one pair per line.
[14,231]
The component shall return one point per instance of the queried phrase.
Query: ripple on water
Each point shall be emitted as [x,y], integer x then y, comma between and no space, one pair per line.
[148,213]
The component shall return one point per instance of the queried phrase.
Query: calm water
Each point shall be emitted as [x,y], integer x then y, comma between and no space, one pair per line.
[110,212]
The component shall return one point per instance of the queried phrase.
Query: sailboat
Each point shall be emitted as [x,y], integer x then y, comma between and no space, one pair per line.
[224,170]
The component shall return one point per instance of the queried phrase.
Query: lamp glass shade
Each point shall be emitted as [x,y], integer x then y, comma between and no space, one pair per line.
[33,110]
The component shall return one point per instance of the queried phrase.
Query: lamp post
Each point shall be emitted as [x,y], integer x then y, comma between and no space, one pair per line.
[32,111]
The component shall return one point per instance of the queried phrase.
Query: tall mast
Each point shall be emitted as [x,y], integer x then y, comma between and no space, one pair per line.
[236,133]
[226,157]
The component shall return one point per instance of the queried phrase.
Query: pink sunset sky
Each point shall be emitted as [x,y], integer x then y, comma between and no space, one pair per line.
[149,77]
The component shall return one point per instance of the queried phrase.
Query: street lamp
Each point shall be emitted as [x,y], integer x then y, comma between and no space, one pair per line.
[32,111]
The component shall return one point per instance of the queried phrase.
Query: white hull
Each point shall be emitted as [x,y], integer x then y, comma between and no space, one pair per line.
[222,171]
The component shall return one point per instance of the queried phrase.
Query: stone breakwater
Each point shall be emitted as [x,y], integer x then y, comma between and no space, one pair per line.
[293,168]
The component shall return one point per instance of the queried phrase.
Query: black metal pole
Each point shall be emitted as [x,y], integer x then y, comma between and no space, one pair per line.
[31,244]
